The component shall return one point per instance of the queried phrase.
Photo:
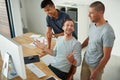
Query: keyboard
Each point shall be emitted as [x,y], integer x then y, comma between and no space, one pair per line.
[32,67]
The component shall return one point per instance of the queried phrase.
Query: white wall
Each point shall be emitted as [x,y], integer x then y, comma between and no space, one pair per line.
[36,17]
[23,13]
[83,22]
[15,6]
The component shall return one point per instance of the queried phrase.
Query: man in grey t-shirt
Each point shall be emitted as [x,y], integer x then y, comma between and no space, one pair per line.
[67,51]
[99,44]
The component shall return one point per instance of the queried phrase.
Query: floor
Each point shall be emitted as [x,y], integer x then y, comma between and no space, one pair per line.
[111,72]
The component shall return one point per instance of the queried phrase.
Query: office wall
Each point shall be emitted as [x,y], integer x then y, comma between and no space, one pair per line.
[23,13]
[35,16]
[16,15]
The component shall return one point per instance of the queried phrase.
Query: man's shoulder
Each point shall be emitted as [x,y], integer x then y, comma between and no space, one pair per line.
[76,42]
[63,13]
[108,28]
[48,17]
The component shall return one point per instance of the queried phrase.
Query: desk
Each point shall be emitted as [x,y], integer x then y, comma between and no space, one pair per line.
[24,40]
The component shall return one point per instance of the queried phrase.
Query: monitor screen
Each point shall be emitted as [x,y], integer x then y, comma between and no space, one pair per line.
[8,45]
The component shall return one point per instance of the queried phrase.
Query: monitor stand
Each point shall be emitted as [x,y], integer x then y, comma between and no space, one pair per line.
[12,72]
[8,69]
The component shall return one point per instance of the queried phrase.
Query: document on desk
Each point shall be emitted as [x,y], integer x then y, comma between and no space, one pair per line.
[39,73]
[41,39]
[35,36]
[47,59]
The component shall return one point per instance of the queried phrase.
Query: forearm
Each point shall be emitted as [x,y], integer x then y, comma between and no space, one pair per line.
[49,43]
[49,36]
[59,34]
[105,59]
[99,68]
[102,64]
[85,43]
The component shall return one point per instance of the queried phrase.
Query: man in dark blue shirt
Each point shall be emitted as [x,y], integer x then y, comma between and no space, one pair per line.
[55,19]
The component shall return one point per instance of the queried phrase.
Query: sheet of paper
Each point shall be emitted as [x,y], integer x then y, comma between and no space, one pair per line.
[43,40]
[31,45]
[47,59]
[35,36]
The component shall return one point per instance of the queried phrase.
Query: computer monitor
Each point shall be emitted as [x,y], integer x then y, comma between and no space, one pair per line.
[8,45]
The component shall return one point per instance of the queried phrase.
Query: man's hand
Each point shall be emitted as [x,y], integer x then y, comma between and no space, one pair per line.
[39,44]
[71,58]
[57,35]
[93,75]
[43,47]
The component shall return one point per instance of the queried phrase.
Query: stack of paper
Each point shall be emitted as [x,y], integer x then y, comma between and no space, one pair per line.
[47,59]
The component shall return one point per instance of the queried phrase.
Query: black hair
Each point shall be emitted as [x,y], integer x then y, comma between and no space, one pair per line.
[44,3]
[99,6]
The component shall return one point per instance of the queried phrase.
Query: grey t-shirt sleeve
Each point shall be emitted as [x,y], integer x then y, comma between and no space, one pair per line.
[77,54]
[55,50]
[108,38]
